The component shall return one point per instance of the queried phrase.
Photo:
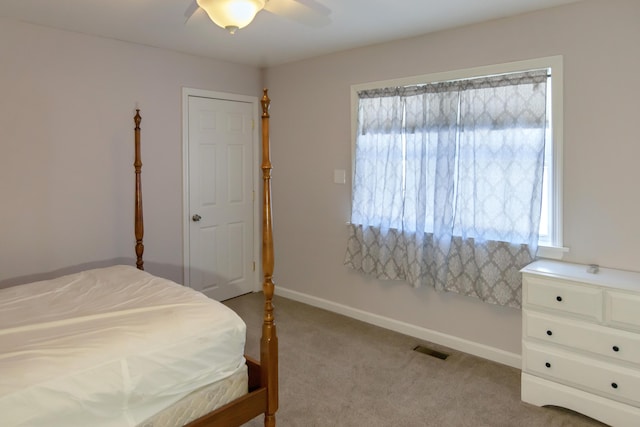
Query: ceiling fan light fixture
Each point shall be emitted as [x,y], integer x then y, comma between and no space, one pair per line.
[232,14]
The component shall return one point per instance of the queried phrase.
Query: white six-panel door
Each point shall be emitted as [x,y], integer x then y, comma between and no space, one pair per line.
[220,197]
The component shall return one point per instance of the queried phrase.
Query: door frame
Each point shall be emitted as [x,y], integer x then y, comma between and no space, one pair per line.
[186,248]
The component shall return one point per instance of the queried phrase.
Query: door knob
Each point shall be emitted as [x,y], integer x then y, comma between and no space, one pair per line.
[196,217]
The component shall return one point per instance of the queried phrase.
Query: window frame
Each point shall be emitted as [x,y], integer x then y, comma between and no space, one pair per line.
[552,247]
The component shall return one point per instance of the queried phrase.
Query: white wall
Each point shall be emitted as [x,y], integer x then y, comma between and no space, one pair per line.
[311,137]
[66,148]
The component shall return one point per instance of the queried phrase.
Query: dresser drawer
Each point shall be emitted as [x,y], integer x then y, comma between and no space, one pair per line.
[605,379]
[619,345]
[623,310]
[563,296]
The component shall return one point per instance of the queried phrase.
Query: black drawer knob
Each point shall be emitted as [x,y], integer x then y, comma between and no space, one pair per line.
[549,333]
[614,385]
[548,365]
[616,348]
[559,298]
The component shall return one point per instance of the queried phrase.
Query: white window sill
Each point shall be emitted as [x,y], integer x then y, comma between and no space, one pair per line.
[544,251]
[551,252]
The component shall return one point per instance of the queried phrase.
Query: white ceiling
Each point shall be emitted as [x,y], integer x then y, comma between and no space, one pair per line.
[270,39]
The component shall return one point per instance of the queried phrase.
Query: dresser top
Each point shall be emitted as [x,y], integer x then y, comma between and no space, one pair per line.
[607,277]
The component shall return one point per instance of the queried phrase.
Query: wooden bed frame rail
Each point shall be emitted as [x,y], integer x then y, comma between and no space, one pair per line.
[262,396]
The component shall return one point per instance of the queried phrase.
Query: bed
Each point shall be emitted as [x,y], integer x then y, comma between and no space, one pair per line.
[117,346]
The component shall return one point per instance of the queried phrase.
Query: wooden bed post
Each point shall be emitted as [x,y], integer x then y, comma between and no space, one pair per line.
[139,224]
[269,340]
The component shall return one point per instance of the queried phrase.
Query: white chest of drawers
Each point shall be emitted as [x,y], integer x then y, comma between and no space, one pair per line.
[581,340]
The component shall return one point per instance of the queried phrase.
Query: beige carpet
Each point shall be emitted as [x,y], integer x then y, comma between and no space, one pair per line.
[336,371]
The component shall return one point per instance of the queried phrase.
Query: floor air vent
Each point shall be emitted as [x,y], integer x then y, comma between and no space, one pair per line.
[431,352]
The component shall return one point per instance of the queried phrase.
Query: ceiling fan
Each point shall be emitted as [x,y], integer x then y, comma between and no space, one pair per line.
[235,14]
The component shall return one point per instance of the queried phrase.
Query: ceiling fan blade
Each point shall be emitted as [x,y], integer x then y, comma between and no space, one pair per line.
[191,10]
[307,12]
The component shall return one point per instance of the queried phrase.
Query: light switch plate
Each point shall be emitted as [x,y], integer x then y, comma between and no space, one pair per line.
[339,176]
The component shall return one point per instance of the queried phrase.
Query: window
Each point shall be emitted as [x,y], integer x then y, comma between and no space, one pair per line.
[450,172]
[550,230]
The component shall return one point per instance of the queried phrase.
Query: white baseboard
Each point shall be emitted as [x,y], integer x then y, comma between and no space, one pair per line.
[466,346]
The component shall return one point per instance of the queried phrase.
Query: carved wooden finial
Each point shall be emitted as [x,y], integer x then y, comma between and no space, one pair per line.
[137,119]
[265,101]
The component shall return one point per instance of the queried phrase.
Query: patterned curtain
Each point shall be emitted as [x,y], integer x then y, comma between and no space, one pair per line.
[448,184]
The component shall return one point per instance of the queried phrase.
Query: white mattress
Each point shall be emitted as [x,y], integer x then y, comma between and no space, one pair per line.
[201,402]
[109,347]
